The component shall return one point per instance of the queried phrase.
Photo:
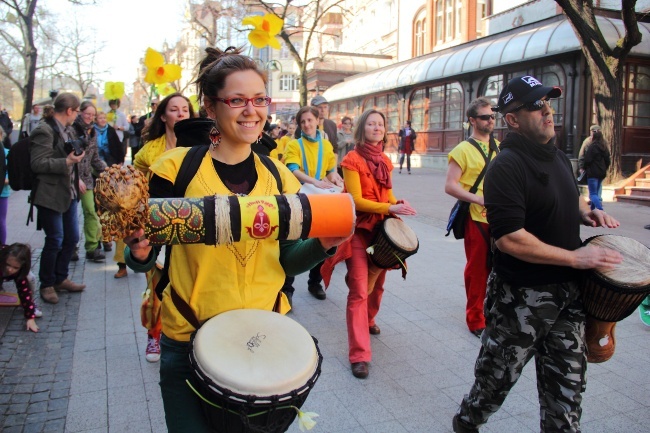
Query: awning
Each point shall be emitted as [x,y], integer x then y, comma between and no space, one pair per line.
[548,40]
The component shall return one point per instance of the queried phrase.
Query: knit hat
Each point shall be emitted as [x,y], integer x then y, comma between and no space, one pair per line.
[524,89]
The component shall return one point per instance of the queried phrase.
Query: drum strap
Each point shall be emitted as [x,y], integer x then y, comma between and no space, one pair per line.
[184,308]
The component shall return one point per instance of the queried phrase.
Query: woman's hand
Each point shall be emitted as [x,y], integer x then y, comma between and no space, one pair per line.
[402,208]
[323,184]
[139,244]
[31,325]
[82,187]
[335,178]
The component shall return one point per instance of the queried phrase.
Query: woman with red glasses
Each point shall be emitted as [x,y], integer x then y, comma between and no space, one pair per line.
[207,280]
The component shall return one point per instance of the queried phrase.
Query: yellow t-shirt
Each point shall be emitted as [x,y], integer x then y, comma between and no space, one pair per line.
[214,279]
[149,153]
[471,163]
[293,155]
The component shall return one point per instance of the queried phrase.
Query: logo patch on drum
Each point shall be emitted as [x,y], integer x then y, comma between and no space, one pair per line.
[261,228]
[255,342]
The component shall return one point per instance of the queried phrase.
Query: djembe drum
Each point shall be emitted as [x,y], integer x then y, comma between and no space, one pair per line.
[392,245]
[252,367]
[611,295]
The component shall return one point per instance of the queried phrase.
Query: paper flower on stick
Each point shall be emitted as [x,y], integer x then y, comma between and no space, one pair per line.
[164,89]
[113,89]
[265,30]
[159,72]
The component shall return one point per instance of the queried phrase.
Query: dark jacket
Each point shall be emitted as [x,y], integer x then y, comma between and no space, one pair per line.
[53,176]
[91,158]
[597,161]
[329,126]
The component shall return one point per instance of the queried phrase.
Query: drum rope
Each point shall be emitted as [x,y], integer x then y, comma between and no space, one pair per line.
[295,219]
[222,224]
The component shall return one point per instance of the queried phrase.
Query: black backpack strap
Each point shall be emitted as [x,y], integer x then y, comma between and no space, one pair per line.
[186,172]
[188,169]
[487,159]
[268,163]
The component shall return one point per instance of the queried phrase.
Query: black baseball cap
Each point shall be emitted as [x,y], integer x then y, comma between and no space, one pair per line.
[524,89]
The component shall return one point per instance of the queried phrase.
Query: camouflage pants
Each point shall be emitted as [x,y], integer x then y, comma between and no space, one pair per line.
[545,321]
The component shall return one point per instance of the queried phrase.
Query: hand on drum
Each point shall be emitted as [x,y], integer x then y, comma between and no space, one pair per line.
[591,256]
[335,178]
[139,244]
[598,218]
[402,208]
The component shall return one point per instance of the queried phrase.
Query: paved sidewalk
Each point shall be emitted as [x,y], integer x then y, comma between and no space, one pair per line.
[85,370]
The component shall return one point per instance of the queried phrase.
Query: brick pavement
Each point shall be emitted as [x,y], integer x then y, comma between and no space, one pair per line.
[422,362]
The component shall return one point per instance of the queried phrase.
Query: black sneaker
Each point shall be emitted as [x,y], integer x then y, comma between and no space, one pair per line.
[461,427]
[75,255]
[289,296]
[108,246]
[317,291]
[96,256]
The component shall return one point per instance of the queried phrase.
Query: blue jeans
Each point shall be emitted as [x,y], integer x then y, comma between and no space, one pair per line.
[595,188]
[61,237]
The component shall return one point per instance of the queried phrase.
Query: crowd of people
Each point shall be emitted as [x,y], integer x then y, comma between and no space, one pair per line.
[521,236]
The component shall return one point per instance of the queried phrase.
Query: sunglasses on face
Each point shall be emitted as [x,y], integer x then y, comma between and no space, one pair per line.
[486,117]
[532,106]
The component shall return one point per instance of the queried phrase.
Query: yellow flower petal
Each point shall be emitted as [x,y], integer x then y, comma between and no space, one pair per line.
[173,72]
[274,43]
[305,421]
[272,24]
[153,59]
[259,38]
[113,90]
[194,100]
[255,21]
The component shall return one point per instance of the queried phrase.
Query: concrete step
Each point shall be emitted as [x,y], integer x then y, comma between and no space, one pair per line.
[639,191]
[647,174]
[634,199]
[642,181]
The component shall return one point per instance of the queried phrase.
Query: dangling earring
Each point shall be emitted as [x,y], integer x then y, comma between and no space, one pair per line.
[259,138]
[215,136]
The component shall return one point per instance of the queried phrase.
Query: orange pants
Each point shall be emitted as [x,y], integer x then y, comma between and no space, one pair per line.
[362,307]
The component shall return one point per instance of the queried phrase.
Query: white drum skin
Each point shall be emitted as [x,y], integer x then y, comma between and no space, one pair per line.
[255,352]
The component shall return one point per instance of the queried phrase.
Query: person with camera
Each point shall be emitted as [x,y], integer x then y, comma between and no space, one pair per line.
[84,129]
[55,194]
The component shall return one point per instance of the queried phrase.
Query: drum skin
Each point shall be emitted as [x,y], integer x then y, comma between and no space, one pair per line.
[251,367]
[611,295]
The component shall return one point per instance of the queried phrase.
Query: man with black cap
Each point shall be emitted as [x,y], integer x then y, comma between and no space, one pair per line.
[327,125]
[533,305]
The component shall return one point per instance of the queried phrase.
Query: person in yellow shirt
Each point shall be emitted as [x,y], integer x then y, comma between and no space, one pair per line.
[158,136]
[311,158]
[207,280]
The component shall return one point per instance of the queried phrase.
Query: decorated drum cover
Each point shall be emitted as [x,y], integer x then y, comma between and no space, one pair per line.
[255,352]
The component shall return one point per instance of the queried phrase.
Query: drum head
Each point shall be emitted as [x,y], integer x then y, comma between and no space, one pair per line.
[400,234]
[255,352]
[634,271]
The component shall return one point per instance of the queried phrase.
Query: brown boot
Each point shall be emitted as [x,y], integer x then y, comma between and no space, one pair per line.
[69,286]
[121,273]
[48,294]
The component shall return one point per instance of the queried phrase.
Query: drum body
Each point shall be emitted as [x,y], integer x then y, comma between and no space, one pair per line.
[611,295]
[393,244]
[251,366]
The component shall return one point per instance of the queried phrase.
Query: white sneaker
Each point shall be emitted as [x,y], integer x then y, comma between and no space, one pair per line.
[153,349]
[38,312]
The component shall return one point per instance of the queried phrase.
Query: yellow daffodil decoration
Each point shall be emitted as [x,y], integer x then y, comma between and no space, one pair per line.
[159,72]
[113,90]
[265,29]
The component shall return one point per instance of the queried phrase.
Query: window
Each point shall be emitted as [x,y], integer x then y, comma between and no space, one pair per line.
[437,107]
[553,75]
[449,16]
[637,96]
[439,21]
[481,13]
[420,33]
[289,82]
